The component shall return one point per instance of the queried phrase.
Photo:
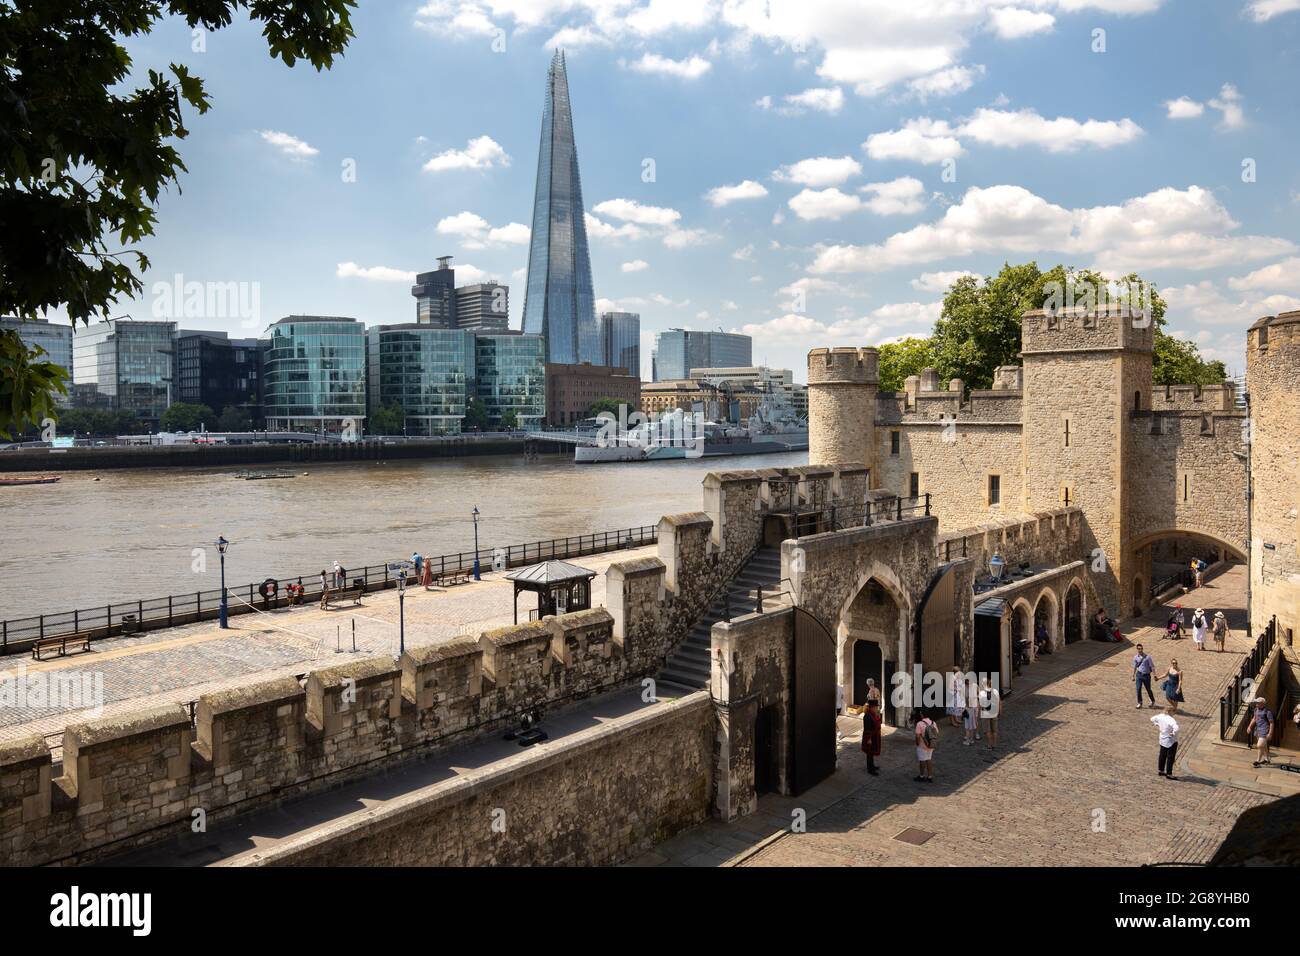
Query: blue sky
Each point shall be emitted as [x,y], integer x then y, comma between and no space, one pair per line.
[820,170]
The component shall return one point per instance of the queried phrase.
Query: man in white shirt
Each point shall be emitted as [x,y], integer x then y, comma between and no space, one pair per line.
[1168,741]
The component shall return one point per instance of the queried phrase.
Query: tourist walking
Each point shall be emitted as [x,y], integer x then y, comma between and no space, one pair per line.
[1199,626]
[956,700]
[971,713]
[324,590]
[1171,682]
[1168,742]
[338,575]
[426,575]
[990,703]
[1143,665]
[927,736]
[1196,573]
[871,735]
[1220,630]
[417,561]
[1261,729]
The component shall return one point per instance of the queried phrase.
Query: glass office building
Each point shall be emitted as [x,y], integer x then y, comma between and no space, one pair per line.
[620,334]
[215,370]
[314,375]
[678,351]
[131,365]
[54,338]
[422,369]
[559,304]
[510,376]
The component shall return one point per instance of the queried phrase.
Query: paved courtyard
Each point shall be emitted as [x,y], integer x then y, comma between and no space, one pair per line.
[181,664]
[1072,783]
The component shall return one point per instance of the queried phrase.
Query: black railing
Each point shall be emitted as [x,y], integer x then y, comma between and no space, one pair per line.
[945,551]
[1230,703]
[862,514]
[130,617]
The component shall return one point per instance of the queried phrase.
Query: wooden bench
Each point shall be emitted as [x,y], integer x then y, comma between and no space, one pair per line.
[80,643]
[451,578]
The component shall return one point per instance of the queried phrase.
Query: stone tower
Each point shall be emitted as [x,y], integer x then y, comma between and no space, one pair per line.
[1273,384]
[1084,371]
[842,386]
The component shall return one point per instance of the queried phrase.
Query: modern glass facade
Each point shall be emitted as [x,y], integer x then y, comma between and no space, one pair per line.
[678,351]
[424,370]
[55,339]
[510,375]
[131,364]
[220,372]
[620,334]
[315,374]
[435,296]
[559,304]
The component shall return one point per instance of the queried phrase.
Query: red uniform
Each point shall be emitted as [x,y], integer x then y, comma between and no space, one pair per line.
[871,732]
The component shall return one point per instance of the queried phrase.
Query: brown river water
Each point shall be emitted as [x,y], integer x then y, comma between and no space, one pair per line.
[84,543]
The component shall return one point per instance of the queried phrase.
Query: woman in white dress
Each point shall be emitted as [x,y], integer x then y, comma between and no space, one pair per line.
[956,696]
[1199,626]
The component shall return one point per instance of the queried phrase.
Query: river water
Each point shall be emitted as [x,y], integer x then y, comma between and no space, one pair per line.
[85,543]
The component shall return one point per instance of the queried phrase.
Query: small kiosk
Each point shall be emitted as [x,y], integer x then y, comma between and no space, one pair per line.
[560,587]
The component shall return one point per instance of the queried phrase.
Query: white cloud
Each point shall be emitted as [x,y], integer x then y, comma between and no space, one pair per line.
[290,146]
[599,229]
[763,102]
[940,282]
[897,197]
[1167,228]
[1184,108]
[722,195]
[681,238]
[1061,135]
[819,171]
[629,210]
[1280,276]
[1011,23]
[1261,10]
[922,140]
[1205,304]
[572,38]
[822,99]
[350,270]
[798,332]
[691,68]
[476,232]
[824,204]
[481,152]
[636,265]
[1228,102]
[949,82]
[445,18]
[744,253]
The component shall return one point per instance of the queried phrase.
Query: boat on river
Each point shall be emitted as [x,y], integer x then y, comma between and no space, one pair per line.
[33,480]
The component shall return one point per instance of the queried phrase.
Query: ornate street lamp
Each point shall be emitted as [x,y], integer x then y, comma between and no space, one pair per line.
[222,544]
[476,568]
[996,567]
[401,611]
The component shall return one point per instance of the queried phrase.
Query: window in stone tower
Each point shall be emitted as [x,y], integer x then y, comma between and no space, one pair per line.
[914,485]
[893,443]
[995,490]
[1067,495]
[1065,424]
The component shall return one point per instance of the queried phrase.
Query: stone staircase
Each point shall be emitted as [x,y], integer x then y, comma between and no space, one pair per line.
[688,665]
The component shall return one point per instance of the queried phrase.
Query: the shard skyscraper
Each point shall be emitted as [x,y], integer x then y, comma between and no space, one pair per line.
[559,303]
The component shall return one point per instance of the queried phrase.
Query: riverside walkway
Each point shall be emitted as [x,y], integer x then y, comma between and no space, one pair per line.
[1072,783]
[180,664]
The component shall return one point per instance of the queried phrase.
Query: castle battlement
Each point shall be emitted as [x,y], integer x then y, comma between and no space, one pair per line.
[843,366]
[1085,329]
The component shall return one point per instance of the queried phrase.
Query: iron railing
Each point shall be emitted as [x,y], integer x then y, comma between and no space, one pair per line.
[1231,702]
[859,514]
[129,617]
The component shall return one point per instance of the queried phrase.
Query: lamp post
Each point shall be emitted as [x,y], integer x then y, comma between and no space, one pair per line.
[996,566]
[477,577]
[222,544]
[401,611]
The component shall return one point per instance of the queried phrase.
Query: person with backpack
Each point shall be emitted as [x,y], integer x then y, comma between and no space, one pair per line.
[1220,629]
[871,734]
[1199,626]
[927,735]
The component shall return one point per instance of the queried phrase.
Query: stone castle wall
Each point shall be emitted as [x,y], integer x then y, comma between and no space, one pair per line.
[1273,383]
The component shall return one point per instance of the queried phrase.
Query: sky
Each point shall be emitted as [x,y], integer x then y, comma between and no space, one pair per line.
[810,173]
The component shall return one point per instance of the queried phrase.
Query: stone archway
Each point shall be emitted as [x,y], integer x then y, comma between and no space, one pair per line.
[1047,611]
[1022,626]
[1075,617]
[876,615]
[1139,596]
